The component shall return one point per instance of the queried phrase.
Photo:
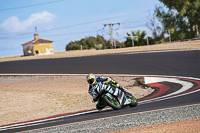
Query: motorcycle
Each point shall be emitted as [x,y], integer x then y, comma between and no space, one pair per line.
[114,97]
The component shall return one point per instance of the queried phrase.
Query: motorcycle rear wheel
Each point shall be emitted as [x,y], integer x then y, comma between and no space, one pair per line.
[112,103]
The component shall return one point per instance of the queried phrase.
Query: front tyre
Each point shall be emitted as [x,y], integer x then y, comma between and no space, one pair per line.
[113,103]
[133,101]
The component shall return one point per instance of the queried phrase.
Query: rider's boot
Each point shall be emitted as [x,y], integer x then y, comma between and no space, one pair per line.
[100,105]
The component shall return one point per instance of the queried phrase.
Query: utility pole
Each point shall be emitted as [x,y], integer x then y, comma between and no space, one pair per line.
[132,41]
[147,41]
[81,47]
[132,37]
[170,37]
[111,34]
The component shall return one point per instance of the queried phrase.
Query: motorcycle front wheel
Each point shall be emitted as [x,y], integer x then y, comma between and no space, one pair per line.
[113,103]
[133,101]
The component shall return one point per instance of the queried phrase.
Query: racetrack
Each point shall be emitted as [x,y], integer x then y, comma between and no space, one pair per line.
[183,63]
[174,63]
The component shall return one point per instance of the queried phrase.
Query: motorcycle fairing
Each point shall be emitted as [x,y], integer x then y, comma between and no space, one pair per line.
[116,92]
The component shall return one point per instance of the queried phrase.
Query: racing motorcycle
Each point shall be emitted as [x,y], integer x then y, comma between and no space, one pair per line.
[114,97]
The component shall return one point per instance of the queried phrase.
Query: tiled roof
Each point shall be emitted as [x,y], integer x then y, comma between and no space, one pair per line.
[37,41]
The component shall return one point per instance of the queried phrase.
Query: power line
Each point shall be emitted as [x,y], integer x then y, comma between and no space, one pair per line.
[133,26]
[87,22]
[128,22]
[25,34]
[18,37]
[68,26]
[72,33]
[14,8]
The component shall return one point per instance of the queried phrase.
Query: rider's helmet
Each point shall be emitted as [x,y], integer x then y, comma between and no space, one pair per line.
[91,79]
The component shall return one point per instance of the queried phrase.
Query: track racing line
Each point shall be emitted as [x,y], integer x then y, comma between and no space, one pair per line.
[169,92]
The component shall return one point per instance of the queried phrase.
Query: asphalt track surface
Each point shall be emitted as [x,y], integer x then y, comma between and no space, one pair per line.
[183,63]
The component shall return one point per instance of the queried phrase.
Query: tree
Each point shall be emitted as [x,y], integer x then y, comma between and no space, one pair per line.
[174,23]
[139,40]
[157,29]
[186,13]
[87,43]
[73,46]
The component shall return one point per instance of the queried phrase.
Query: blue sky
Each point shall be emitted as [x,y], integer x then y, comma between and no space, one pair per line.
[63,21]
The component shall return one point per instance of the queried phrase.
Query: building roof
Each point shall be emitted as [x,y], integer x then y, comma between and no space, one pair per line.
[37,41]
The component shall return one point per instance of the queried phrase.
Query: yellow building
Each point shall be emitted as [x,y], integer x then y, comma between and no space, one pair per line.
[38,47]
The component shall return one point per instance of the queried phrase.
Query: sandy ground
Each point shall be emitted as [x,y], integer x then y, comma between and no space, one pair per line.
[28,98]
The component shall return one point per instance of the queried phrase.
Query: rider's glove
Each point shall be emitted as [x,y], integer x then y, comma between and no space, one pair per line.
[123,89]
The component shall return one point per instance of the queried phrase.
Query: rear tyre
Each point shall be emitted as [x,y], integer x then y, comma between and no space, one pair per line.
[113,103]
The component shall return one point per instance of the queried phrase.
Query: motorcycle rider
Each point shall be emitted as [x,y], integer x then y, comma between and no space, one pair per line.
[93,85]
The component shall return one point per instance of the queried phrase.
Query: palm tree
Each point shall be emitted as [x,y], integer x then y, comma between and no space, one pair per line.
[140,37]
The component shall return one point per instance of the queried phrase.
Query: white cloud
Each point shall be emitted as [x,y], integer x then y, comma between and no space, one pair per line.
[13,24]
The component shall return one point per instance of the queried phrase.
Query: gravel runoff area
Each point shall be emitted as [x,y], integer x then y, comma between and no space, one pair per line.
[136,120]
[24,98]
